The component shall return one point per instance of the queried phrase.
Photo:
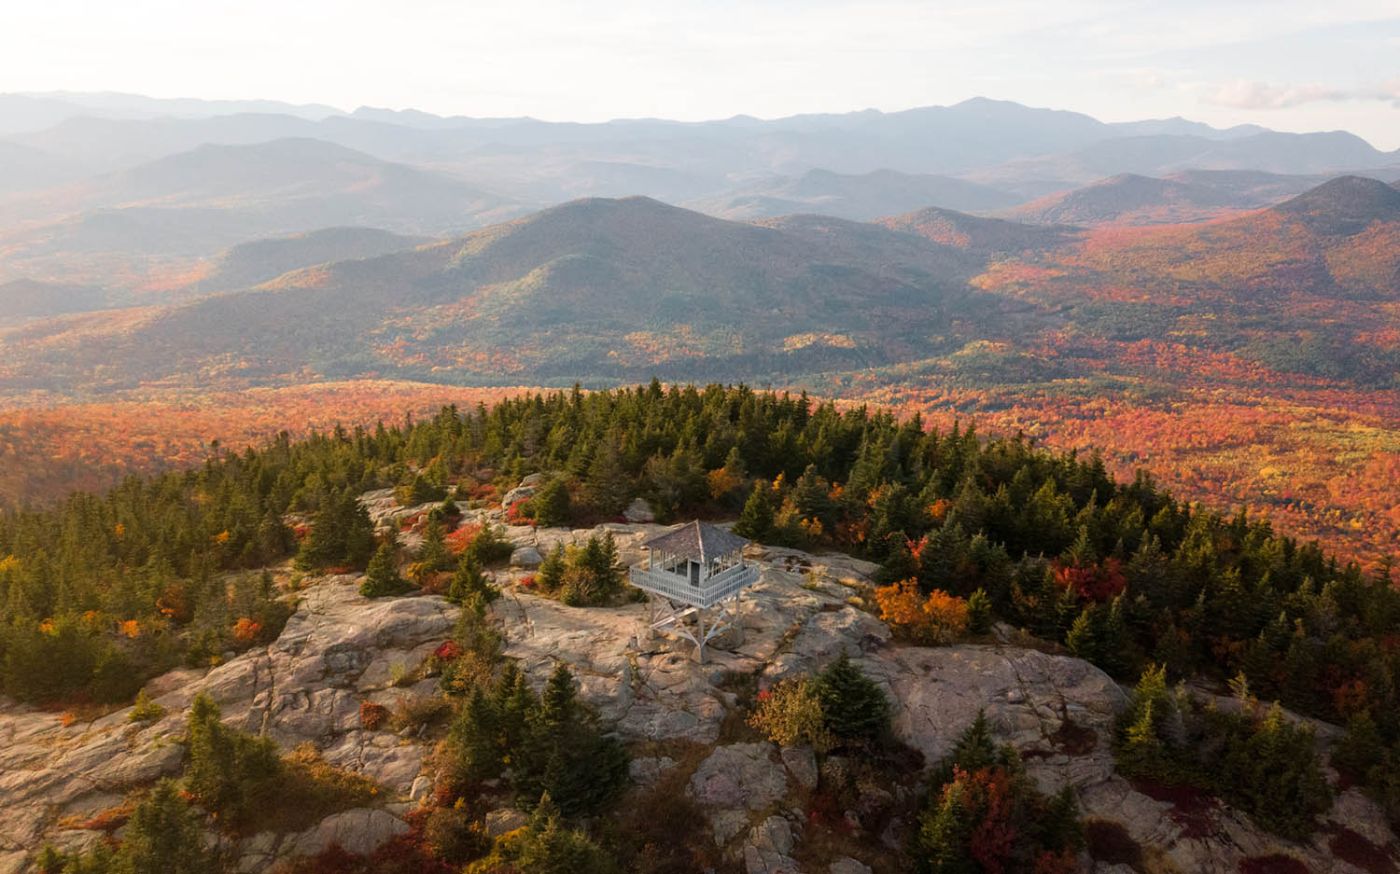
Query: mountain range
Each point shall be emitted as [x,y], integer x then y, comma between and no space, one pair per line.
[604,289]
[140,198]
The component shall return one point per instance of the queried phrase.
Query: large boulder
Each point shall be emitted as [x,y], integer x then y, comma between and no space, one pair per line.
[739,777]
[356,831]
[1058,709]
[639,511]
[768,848]
[527,557]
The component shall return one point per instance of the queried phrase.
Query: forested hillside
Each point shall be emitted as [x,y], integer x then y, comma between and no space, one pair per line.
[107,590]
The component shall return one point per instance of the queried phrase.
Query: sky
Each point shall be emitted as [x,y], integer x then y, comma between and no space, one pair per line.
[1285,64]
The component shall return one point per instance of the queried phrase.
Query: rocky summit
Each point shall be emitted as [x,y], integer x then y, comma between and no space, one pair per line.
[340,651]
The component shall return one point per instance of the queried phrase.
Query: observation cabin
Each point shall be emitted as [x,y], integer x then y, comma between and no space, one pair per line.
[694,574]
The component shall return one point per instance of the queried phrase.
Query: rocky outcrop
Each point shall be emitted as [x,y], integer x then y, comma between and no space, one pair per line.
[768,848]
[525,557]
[339,650]
[639,511]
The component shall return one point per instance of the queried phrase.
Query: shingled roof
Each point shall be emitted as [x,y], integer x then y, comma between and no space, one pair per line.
[697,540]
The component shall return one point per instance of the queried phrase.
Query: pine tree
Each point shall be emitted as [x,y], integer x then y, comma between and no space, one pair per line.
[979,613]
[756,519]
[1141,752]
[550,575]
[163,837]
[433,554]
[941,844]
[382,577]
[1082,639]
[213,759]
[975,749]
[855,708]
[607,485]
[468,580]
[564,755]
[475,737]
[341,534]
[551,505]
[549,847]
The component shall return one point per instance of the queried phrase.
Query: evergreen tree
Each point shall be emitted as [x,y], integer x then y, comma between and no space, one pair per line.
[551,505]
[341,534]
[941,846]
[565,756]
[382,577]
[228,773]
[756,519]
[607,486]
[550,575]
[470,580]
[163,837]
[854,706]
[545,846]
[975,749]
[433,554]
[979,613]
[1082,639]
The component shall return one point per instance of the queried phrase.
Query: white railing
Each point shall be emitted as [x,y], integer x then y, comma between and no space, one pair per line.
[711,591]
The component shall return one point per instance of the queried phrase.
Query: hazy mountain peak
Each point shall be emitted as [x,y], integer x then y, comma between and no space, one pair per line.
[1345,205]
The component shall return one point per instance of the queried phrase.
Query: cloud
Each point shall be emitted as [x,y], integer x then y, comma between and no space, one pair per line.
[1247,94]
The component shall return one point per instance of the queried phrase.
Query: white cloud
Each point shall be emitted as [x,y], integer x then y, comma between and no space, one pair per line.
[1252,95]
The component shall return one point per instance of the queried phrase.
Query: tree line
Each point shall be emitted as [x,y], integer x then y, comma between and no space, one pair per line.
[104,590]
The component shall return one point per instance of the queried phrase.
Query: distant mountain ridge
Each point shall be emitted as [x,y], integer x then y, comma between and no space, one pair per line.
[258,261]
[601,289]
[861,197]
[589,289]
[1145,200]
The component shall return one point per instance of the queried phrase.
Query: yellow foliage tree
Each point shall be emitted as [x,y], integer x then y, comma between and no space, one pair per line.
[935,619]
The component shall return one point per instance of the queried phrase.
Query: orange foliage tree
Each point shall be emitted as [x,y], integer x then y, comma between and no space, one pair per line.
[936,618]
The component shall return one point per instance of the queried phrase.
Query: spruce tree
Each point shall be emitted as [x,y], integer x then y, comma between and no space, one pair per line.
[213,759]
[607,485]
[854,706]
[975,749]
[551,504]
[565,756]
[163,837]
[756,519]
[1082,639]
[468,580]
[433,553]
[382,577]
[979,613]
[550,575]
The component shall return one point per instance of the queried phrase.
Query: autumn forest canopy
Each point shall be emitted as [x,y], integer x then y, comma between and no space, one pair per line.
[107,590]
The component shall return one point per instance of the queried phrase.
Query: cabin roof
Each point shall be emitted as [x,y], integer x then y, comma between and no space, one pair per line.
[697,540]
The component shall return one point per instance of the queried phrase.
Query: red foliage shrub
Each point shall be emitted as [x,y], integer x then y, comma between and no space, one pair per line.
[458,540]
[1092,582]
[373,716]
[246,631]
[515,514]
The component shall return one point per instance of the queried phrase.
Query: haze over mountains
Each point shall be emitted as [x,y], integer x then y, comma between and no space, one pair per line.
[140,197]
[119,200]
[602,289]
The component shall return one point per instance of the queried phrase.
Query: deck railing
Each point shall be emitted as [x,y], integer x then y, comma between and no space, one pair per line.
[677,587]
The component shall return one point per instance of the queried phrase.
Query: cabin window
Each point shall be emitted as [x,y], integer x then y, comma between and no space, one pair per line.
[695,573]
